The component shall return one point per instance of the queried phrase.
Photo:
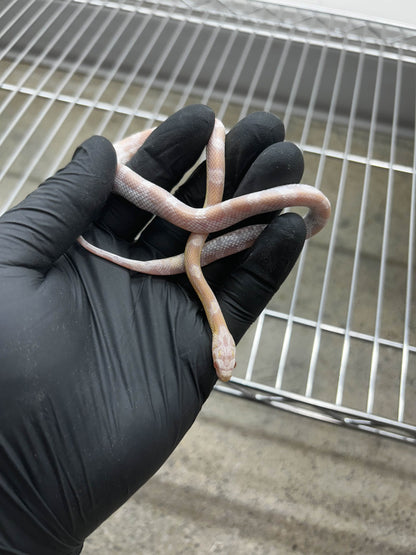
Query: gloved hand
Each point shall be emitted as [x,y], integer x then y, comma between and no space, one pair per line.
[102,371]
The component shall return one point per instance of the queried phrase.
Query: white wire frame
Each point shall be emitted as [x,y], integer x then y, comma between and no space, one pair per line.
[50,85]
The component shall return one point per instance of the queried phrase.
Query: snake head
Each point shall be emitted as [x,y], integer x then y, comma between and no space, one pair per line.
[223,353]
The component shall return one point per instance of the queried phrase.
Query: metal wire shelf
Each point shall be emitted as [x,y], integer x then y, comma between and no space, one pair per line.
[339,341]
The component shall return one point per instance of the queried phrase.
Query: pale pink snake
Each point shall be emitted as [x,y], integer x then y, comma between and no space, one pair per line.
[214,216]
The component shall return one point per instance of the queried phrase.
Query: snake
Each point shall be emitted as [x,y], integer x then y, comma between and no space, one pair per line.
[215,215]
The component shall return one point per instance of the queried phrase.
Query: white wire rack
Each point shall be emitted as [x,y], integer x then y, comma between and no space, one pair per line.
[339,341]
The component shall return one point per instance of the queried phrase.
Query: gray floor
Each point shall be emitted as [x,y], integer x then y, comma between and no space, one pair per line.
[250,479]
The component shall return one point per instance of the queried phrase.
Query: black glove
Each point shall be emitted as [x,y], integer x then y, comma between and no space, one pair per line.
[102,371]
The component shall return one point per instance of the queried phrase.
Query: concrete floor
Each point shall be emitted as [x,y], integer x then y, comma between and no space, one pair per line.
[248,479]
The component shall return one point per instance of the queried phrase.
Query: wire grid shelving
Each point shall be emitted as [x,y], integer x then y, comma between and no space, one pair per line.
[338,343]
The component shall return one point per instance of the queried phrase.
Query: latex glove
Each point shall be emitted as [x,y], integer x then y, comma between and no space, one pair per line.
[102,371]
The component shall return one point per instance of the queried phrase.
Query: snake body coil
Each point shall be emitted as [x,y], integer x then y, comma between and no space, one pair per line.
[214,216]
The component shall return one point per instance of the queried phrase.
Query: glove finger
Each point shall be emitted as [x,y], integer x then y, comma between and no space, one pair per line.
[43,226]
[168,153]
[244,143]
[280,164]
[247,290]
